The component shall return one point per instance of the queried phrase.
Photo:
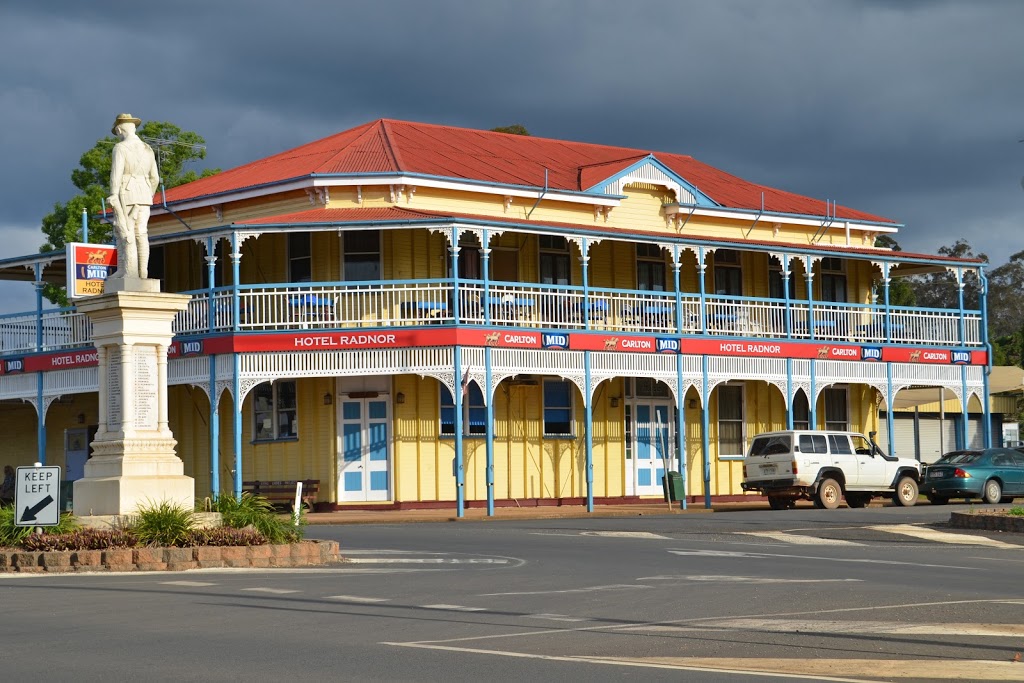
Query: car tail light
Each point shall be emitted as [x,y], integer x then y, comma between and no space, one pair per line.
[961,474]
[794,467]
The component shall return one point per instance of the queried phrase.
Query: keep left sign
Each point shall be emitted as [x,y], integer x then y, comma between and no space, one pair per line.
[37,496]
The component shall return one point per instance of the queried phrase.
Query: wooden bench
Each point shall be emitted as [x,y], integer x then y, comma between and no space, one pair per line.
[283,492]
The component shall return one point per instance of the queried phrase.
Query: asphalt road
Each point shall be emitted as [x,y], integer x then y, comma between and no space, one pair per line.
[856,595]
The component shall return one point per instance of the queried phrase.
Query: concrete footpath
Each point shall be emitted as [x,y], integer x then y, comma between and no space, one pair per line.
[389,516]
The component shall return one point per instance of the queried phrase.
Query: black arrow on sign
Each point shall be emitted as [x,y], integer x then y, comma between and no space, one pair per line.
[30,512]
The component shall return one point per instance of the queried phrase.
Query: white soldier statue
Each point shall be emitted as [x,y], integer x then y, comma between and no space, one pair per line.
[134,179]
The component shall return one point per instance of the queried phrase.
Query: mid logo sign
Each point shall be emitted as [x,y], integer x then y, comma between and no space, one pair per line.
[37,496]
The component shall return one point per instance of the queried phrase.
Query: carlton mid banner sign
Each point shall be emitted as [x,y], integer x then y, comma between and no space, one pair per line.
[88,266]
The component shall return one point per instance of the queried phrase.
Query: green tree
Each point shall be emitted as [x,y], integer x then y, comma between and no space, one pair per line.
[1006,298]
[174,147]
[514,129]
[939,289]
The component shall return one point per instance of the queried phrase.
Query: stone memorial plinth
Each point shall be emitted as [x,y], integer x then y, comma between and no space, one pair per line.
[133,463]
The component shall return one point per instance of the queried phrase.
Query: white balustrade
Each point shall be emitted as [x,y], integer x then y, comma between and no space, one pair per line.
[348,305]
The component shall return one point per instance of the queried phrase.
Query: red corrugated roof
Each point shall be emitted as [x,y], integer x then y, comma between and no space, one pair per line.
[388,146]
[396,214]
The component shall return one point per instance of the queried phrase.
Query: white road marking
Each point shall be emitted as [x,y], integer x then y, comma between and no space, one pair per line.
[188,583]
[623,534]
[555,617]
[425,560]
[455,608]
[826,626]
[589,589]
[943,536]
[681,664]
[742,579]
[738,555]
[276,591]
[796,539]
[356,598]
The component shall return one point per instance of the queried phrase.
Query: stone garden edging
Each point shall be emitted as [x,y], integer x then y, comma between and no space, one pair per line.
[303,554]
[987,521]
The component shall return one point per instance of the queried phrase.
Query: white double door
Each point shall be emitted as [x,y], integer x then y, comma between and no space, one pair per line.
[364,445]
[652,444]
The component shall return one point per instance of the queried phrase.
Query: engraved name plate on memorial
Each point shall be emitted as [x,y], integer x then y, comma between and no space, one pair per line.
[114,390]
[145,387]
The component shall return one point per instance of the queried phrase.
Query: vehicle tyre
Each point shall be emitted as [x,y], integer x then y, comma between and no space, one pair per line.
[992,493]
[906,492]
[778,502]
[858,500]
[829,494]
[936,499]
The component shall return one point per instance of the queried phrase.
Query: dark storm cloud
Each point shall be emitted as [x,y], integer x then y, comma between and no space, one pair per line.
[911,110]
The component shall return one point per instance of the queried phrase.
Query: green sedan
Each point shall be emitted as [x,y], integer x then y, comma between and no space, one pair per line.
[996,475]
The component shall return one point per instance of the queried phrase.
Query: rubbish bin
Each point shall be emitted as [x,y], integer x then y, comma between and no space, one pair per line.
[672,486]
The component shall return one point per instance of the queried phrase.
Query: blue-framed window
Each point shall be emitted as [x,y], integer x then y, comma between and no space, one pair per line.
[558,408]
[477,411]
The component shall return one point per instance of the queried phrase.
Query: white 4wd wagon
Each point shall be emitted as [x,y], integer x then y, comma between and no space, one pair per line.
[825,467]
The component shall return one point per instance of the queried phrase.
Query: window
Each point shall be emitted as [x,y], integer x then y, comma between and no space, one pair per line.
[801,411]
[557,408]
[477,411]
[274,411]
[650,268]
[837,412]
[833,280]
[813,443]
[646,387]
[554,260]
[300,257]
[728,276]
[362,255]
[839,444]
[730,421]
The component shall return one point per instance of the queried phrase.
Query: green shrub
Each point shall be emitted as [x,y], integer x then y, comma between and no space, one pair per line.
[1017,511]
[11,535]
[163,523]
[258,513]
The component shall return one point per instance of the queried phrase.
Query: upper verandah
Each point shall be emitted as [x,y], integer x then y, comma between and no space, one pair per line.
[388,151]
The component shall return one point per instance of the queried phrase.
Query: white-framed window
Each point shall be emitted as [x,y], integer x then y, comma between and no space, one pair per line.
[837,409]
[833,280]
[650,268]
[274,411]
[300,257]
[731,440]
[477,411]
[361,259]
[554,261]
[728,276]
[558,408]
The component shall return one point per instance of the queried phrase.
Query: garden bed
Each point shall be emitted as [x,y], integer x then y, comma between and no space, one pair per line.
[988,520]
[302,554]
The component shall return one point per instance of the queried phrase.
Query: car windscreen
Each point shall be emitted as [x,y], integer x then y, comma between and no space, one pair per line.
[771,445]
[960,458]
